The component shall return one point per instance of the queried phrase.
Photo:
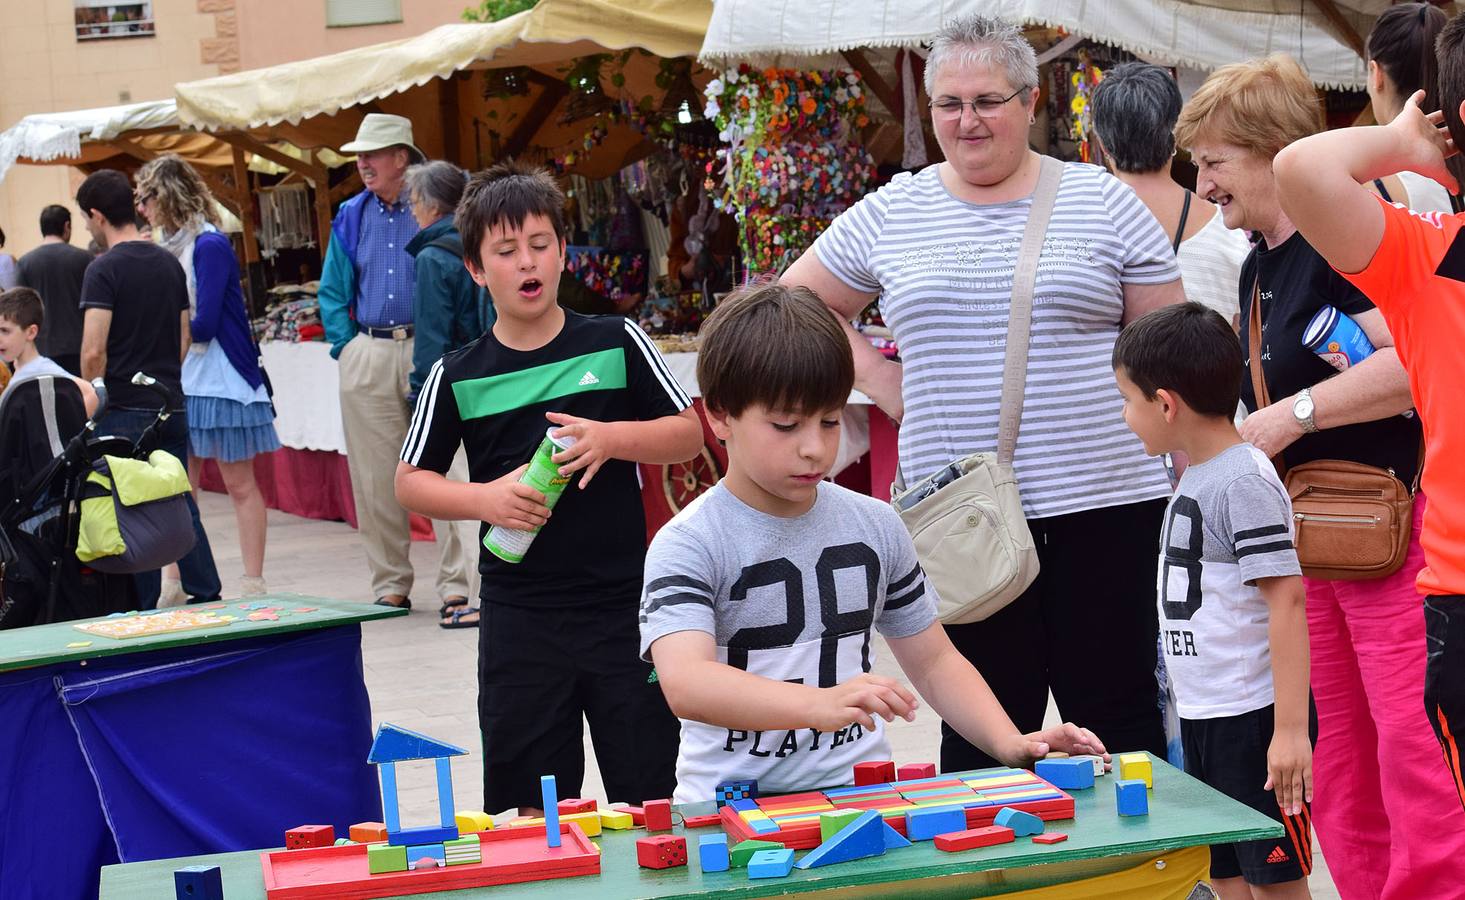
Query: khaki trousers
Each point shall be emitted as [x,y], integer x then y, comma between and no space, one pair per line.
[374,414]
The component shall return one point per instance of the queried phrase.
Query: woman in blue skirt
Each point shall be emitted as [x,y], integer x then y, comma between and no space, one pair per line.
[230,418]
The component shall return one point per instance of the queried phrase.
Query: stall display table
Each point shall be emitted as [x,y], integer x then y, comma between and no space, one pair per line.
[187,742]
[1161,855]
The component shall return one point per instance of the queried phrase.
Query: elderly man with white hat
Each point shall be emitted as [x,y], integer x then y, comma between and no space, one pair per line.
[366,293]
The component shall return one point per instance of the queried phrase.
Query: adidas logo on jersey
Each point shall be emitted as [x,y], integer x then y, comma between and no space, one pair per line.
[1278,855]
[588,378]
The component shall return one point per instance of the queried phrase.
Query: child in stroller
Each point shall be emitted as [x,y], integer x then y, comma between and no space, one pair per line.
[42,482]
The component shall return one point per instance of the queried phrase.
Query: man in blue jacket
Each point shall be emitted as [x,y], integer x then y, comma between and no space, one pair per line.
[366,296]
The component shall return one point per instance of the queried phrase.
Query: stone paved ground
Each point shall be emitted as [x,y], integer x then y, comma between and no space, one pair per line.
[424,678]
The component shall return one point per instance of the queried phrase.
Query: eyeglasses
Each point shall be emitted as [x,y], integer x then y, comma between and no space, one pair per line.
[142,199]
[985,107]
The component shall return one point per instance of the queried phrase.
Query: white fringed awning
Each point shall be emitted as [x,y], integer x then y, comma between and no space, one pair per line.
[44,137]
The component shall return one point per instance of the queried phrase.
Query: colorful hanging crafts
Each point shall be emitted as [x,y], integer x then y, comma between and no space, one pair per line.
[613,276]
[1086,76]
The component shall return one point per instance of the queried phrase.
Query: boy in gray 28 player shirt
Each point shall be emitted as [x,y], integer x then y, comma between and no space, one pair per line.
[1233,625]
[759,597]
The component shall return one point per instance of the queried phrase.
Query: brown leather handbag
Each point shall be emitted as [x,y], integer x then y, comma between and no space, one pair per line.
[1350,521]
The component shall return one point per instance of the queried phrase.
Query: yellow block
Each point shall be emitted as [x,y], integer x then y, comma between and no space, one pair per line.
[614,820]
[812,807]
[1137,766]
[753,815]
[999,781]
[589,822]
[471,820]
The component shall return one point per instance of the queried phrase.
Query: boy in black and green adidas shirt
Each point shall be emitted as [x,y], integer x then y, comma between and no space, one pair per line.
[558,637]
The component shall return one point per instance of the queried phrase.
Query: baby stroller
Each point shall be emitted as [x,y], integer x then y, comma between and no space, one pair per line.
[42,484]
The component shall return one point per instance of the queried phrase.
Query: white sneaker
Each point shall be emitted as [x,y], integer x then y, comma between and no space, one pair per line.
[171,594]
[252,586]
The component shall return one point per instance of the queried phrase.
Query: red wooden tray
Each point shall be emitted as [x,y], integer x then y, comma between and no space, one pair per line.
[510,855]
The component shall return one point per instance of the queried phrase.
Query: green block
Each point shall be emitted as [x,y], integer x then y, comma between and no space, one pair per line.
[830,823]
[463,851]
[741,853]
[382,858]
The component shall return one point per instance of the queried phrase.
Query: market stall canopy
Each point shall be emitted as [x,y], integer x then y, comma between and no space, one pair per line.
[1322,34]
[554,31]
[92,136]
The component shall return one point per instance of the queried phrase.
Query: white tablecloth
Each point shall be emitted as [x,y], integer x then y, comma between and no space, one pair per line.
[307,395]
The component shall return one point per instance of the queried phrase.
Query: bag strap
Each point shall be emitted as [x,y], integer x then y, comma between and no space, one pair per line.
[1020,319]
[1184,217]
[1258,380]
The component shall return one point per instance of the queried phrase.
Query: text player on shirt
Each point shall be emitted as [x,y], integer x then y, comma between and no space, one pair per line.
[938,248]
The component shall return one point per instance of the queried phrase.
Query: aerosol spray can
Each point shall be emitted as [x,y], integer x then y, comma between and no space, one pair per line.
[510,544]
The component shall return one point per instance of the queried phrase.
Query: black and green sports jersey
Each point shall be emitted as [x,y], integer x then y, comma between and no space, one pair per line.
[492,400]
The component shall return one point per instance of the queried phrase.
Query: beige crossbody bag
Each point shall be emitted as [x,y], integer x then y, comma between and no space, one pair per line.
[967,520]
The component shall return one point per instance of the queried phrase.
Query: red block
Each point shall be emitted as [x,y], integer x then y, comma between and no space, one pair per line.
[974,837]
[658,815]
[880,772]
[310,836]
[915,770]
[1050,837]
[571,806]
[663,851]
[638,815]
[368,832]
[701,821]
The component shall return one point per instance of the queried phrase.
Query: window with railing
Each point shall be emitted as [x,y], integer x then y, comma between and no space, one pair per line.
[102,19]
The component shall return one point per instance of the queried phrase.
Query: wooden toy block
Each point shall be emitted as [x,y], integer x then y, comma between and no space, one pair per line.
[345,842]
[658,815]
[427,834]
[589,822]
[924,824]
[729,791]
[1098,762]
[1134,766]
[1131,798]
[662,851]
[875,772]
[382,858]
[914,771]
[894,840]
[764,825]
[1023,824]
[463,851]
[551,808]
[973,838]
[830,823]
[614,819]
[712,854]
[1052,837]
[570,806]
[743,851]
[1069,774]
[700,821]
[471,821]
[637,814]
[368,832]
[198,883]
[771,864]
[743,804]
[310,836]
[859,839]
[426,856]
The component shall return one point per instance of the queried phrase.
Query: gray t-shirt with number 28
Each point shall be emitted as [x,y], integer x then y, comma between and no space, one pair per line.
[791,600]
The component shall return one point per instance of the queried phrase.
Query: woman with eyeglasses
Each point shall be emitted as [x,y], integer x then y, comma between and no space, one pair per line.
[938,248]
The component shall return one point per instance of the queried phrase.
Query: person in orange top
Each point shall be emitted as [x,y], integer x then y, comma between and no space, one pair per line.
[1412,266]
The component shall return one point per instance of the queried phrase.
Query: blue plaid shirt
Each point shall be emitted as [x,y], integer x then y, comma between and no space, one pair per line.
[386,273]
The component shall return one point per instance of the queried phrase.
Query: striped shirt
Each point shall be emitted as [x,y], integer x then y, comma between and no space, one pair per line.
[943,269]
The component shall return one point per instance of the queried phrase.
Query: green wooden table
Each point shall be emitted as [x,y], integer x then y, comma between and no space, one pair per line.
[1183,813]
[40,645]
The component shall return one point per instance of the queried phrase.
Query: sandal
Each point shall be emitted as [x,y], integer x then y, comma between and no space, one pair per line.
[457,616]
[450,604]
[405,604]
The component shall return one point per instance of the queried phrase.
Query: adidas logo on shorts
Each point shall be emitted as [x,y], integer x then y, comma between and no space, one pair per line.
[588,378]
[1278,855]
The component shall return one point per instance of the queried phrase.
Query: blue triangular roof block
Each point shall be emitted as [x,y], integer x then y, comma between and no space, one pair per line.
[861,838]
[894,840]
[395,744]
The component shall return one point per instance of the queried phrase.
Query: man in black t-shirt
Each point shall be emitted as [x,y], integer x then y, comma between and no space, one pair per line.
[134,302]
[54,270]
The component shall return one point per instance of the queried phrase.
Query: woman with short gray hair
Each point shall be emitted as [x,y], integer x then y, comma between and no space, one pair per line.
[1134,110]
[939,247]
[449,310]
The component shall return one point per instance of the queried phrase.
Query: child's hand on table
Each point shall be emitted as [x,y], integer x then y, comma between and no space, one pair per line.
[1289,769]
[507,503]
[1023,750]
[860,700]
[594,444]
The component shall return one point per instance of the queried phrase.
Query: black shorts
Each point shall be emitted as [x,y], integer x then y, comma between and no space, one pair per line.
[541,674]
[1444,678]
[1230,755]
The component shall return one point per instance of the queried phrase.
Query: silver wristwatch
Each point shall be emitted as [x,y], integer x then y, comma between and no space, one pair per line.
[1302,411]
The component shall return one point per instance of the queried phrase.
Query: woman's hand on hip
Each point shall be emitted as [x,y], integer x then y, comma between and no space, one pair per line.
[1272,429]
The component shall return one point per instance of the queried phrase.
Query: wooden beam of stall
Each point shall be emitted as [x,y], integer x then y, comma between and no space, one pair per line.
[1345,28]
[246,209]
[448,114]
[878,85]
[345,189]
[544,104]
[259,148]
